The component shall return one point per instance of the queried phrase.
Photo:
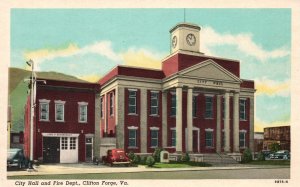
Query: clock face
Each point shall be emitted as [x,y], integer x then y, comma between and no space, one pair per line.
[174,41]
[191,39]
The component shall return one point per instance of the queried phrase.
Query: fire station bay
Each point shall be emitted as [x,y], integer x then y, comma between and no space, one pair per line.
[196,104]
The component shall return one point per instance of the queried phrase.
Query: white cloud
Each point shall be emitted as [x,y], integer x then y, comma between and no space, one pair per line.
[269,87]
[243,42]
[102,48]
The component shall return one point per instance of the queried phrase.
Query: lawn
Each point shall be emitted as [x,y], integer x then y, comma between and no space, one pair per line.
[271,162]
[174,164]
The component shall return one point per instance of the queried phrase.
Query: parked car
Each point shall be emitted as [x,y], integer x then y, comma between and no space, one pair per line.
[282,154]
[116,157]
[15,158]
[266,153]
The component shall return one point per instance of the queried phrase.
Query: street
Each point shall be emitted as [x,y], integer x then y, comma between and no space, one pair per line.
[242,173]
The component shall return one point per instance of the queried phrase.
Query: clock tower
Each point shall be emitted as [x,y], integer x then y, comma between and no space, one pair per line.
[186,37]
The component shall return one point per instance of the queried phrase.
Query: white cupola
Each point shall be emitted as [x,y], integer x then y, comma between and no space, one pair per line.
[185,36]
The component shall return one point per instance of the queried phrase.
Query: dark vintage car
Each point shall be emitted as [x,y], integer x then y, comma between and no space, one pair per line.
[15,158]
[282,154]
[116,157]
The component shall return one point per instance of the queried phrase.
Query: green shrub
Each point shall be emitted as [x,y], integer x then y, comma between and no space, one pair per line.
[136,159]
[156,154]
[131,155]
[143,160]
[261,156]
[150,161]
[185,157]
[247,156]
[275,147]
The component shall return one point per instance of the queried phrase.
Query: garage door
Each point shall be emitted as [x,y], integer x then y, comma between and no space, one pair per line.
[69,150]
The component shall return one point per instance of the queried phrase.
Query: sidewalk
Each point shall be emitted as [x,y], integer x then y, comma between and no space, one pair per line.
[90,168]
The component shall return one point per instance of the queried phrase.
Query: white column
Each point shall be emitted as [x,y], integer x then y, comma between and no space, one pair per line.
[226,123]
[179,119]
[251,120]
[120,100]
[96,142]
[143,120]
[190,119]
[218,148]
[236,130]
[164,119]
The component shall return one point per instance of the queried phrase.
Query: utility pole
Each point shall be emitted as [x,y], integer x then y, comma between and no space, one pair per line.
[32,106]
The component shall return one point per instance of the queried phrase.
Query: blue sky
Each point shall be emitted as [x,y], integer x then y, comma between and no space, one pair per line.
[87,43]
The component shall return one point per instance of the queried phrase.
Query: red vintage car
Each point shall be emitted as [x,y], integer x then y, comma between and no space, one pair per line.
[116,157]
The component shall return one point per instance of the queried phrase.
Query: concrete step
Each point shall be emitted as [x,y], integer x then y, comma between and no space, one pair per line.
[218,159]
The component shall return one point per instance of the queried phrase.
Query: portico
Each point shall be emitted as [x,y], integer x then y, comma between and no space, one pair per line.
[211,79]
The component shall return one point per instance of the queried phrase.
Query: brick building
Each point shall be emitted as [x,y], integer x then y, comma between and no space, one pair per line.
[64,122]
[280,135]
[195,103]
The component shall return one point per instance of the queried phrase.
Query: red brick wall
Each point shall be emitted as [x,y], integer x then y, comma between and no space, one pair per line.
[179,62]
[71,124]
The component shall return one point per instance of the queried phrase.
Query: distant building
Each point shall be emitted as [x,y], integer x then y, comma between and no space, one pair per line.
[280,135]
[258,141]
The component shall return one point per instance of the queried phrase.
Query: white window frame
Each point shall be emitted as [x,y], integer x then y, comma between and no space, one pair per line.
[62,103]
[82,104]
[132,128]
[212,107]
[44,102]
[134,105]
[111,103]
[173,97]
[173,137]
[152,129]
[212,138]
[242,103]
[242,132]
[155,97]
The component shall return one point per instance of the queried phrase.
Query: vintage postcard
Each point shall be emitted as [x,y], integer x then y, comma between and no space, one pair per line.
[134,94]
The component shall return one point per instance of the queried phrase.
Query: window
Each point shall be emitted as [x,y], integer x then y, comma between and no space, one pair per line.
[132,138]
[132,102]
[101,107]
[72,143]
[111,102]
[208,107]
[82,112]
[242,109]
[44,111]
[15,139]
[154,103]
[173,138]
[173,105]
[154,138]
[194,106]
[209,138]
[59,111]
[242,139]
[64,143]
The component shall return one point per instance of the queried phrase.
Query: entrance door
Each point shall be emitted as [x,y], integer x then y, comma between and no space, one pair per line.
[88,149]
[195,141]
[51,151]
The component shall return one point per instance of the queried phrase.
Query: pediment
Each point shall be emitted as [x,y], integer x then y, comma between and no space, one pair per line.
[210,70]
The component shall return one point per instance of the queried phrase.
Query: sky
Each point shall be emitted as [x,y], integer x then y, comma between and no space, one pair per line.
[88,43]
